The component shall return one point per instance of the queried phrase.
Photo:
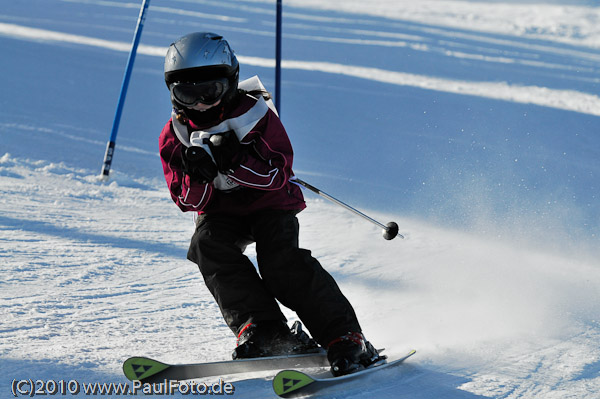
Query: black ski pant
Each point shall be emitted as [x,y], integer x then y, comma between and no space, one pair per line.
[286,273]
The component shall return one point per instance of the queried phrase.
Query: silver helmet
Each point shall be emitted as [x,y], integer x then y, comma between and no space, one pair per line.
[201,56]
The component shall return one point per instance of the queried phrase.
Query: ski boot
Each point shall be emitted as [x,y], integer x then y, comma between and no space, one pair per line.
[351,353]
[273,338]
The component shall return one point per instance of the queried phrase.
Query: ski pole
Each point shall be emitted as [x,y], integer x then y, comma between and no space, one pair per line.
[110,146]
[390,231]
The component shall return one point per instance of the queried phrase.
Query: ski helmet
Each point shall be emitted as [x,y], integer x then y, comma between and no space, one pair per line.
[201,57]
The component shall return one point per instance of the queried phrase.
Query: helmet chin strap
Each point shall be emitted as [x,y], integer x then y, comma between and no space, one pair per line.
[180,116]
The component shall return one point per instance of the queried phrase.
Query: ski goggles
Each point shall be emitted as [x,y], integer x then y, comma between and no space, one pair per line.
[192,93]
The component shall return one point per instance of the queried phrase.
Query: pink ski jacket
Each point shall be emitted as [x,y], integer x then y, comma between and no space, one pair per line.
[260,182]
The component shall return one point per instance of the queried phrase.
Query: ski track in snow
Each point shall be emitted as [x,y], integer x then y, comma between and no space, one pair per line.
[95,272]
[569,100]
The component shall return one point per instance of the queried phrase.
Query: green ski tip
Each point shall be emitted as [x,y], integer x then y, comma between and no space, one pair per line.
[287,381]
[139,368]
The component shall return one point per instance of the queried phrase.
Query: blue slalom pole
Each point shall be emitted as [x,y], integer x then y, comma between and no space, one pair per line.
[278,59]
[110,147]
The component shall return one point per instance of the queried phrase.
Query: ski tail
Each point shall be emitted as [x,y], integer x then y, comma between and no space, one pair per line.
[141,368]
[288,381]
[293,383]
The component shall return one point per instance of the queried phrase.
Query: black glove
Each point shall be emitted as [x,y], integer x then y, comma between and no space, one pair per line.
[198,165]
[225,148]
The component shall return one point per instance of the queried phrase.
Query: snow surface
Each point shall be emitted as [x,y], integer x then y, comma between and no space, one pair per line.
[472,124]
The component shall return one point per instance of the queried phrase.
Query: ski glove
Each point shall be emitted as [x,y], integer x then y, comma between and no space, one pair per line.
[225,148]
[198,165]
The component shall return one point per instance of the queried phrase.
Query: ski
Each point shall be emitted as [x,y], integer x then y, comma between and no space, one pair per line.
[293,383]
[150,370]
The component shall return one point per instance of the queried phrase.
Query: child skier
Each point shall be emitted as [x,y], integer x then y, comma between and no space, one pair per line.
[226,156]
